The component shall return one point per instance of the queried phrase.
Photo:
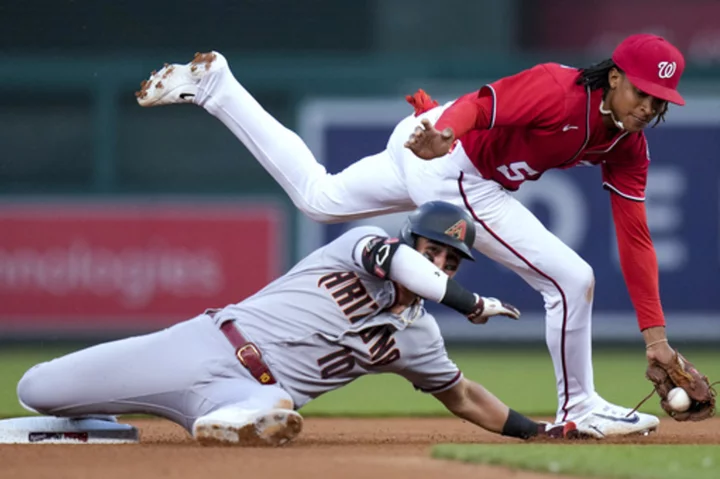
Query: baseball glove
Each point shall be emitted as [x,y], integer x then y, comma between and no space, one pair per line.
[681,373]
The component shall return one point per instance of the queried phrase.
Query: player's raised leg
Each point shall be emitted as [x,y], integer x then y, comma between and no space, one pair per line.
[371,186]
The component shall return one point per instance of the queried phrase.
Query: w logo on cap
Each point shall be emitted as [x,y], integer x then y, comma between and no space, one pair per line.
[458,230]
[666,69]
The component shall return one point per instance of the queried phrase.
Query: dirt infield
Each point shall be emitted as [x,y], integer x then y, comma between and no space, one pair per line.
[347,448]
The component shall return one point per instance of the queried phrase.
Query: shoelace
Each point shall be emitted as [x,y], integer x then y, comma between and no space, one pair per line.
[653,392]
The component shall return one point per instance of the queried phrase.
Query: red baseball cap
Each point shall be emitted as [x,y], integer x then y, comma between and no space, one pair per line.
[652,64]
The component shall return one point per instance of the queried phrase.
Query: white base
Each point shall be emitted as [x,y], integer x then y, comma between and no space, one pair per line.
[57,430]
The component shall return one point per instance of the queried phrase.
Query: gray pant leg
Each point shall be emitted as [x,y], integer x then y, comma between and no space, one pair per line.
[179,373]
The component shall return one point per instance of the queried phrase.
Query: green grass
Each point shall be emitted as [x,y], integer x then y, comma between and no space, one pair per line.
[603,461]
[523,378]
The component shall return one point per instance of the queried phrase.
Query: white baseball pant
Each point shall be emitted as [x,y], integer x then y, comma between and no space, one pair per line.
[395,180]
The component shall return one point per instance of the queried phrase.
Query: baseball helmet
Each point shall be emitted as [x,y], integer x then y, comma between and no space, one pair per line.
[442,222]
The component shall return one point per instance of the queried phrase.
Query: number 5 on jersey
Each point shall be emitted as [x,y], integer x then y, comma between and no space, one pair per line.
[518,171]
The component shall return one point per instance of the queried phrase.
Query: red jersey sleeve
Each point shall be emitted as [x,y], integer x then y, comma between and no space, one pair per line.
[638,260]
[625,171]
[531,97]
[625,175]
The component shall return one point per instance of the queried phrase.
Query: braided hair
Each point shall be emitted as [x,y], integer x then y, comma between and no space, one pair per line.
[596,76]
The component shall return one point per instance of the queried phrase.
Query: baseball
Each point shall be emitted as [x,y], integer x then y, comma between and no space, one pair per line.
[678,399]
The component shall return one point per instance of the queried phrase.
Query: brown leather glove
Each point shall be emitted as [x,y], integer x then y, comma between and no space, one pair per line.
[681,373]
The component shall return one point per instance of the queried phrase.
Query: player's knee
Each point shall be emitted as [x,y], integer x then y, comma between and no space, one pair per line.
[316,208]
[573,282]
[322,201]
[580,283]
[317,214]
[586,279]
[33,390]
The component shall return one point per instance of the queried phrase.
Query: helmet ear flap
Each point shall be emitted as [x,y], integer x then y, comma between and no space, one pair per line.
[406,235]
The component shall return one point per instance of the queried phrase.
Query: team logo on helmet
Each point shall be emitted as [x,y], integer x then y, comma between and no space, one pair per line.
[666,69]
[457,230]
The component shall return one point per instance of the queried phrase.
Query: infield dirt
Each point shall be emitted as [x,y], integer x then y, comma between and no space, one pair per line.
[343,448]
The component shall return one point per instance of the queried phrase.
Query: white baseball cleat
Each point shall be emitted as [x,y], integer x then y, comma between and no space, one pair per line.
[242,427]
[62,430]
[608,420]
[176,83]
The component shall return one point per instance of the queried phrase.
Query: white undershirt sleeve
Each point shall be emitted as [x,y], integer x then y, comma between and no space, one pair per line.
[414,271]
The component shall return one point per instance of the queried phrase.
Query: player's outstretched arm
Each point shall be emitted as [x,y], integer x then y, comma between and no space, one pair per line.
[389,259]
[667,368]
[472,402]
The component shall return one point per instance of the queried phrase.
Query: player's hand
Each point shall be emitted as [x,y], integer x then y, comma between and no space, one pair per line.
[661,353]
[428,143]
[485,308]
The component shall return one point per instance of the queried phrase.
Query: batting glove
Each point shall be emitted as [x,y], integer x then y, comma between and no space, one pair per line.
[485,308]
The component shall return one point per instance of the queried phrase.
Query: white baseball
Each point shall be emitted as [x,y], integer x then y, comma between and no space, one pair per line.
[678,399]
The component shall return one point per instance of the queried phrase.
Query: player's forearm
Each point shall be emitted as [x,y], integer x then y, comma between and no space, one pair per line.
[479,406]
[639,267]
[654,335]
[413,271]
[473,403]
[388,259]
[467,113]
[638,262]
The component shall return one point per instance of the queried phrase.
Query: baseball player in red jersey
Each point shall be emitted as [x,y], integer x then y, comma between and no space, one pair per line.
[483,146]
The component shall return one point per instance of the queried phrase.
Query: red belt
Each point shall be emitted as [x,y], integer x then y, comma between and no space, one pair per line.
[248,354]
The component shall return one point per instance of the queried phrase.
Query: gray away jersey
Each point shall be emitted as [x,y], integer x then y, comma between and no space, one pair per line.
[323,324]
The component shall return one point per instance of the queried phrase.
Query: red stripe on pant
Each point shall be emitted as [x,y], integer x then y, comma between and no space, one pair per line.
[538,271]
